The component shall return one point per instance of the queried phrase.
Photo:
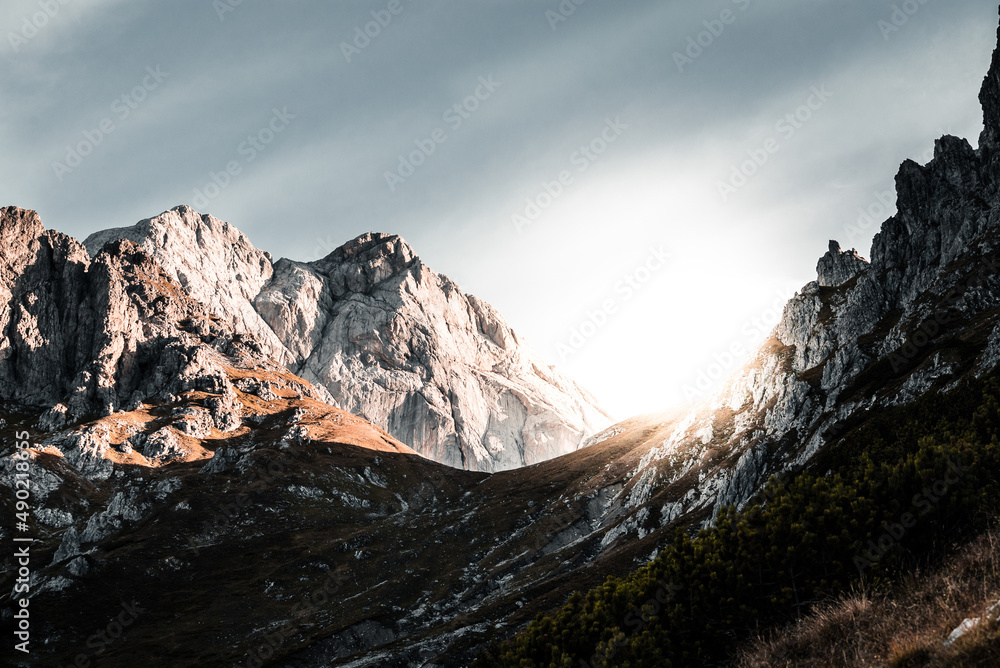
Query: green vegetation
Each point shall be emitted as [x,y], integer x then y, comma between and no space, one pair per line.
[898,491]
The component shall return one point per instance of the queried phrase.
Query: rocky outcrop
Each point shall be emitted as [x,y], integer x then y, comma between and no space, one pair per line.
[39,272]
[388,338]
[89,337]
[213,261]
[918,318]
[837,266]
[989,139]
[403,347]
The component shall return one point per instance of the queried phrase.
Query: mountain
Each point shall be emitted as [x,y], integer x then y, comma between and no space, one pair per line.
[188,466]
[920,320]
[404,347]
[89,336]
[389,339]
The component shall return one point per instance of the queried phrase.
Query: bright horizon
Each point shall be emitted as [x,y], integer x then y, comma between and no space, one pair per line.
[618,144]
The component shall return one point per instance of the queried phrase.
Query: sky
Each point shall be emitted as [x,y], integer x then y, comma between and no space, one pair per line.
[638,186]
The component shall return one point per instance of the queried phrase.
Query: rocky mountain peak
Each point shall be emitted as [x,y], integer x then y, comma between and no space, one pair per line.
[940,210]
[16,222]
[372,246]
[989,97]
[184,234]
[837,266]
[214,262]
[88,337]
[366,261]
[25,241]
[19,228]
[405,348]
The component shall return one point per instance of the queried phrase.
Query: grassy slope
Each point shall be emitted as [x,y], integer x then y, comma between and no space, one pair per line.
[892,456]
[899,626]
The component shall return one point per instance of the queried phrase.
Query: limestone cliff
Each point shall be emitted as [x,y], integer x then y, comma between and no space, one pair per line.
[381,335]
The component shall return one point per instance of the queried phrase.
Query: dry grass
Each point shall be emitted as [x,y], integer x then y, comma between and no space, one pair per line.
[904,628]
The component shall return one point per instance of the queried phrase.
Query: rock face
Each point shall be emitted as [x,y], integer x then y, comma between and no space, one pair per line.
[919,317]
[837,266]
[213,261]
[403,347]
[88,337]
[376,331]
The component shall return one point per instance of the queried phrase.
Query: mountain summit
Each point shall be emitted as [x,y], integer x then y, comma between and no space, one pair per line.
[403,346]
[386,337]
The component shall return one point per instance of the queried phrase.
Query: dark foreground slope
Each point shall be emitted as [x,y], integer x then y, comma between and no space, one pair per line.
[896,495]
[865,339]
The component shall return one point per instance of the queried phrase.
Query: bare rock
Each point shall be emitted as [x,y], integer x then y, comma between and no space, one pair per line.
[85,450]
[69,546]
[403,347]
[265,391]
[226,412]
[78,567]
[195,421]
[378,334]
[162,445]
[838,267]
[989,140]
[213,261]
[54,517]
[222,460]
[54,419]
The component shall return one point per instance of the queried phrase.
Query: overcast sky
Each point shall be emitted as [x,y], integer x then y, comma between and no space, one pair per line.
[617,120]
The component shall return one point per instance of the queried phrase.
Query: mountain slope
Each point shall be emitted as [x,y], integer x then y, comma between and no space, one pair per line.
[922,317]
[389,339]
[879,505]
[212,260]
[405,348]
